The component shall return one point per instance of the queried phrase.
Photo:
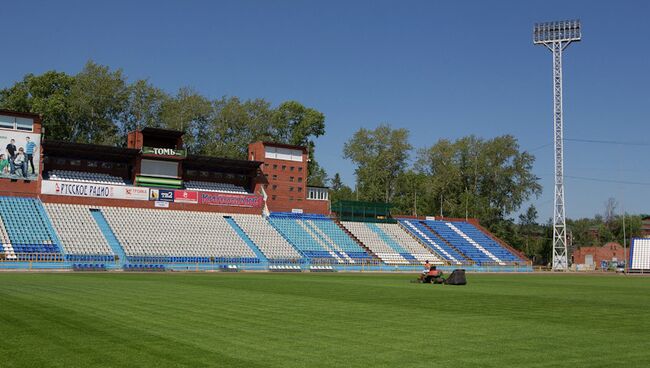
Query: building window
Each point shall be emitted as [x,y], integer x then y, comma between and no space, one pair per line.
[284,167]
[299,189]
[291,198]
[299,168]
[266,165]
[291,168]
[291,178]
[299,179]
[291,189]
[275,177]
[275,166]
[266,176]
[273,197]
[275,187]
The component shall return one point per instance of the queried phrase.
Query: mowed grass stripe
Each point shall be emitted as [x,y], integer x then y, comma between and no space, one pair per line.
[320,320]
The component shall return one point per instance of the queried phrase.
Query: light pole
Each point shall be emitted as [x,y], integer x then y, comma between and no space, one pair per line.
[556,36]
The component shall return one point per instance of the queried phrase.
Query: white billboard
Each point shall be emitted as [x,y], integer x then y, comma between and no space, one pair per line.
[20,154]
[94,190]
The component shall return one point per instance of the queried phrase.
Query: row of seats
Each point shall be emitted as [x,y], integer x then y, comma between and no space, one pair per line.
[164,233]
[284,268]
[486,242]
[318,237]
[89,267]
[143,267]
[214,187]
[85,177]
[462,242]
[267,239]
[409,244]
[26,227]
[79,233]
[428,237]
[371,239]
[640,255]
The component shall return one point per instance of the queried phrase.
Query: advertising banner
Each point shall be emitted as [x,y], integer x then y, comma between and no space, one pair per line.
[164,151]
[234,200]
[161,204]
[26,151]
[166,195]
[92,190]
[186,196]
[137,193]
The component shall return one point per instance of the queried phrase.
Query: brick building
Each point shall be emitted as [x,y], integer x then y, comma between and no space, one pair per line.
[595,255]
[284,173]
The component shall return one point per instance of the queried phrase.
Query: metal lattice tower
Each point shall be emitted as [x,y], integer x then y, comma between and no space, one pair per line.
[557,36]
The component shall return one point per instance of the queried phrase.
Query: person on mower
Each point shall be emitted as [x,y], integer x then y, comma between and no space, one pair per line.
[433,276]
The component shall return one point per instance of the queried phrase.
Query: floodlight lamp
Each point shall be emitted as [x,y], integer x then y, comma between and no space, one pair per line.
[559,31]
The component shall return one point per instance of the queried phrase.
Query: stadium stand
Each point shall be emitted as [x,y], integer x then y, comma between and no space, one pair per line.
[418,229]
[462,242]
[417,250]
[215,187]
[27,229]
[318,237]
[640,255]
[486,242]
[177,236]
[269,241]
[79,233]
[84,177]
[372,239]
[334,235]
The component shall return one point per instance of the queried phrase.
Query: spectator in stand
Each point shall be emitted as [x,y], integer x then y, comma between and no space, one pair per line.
[11,154]
[30,148]
[4,164]
[20,162]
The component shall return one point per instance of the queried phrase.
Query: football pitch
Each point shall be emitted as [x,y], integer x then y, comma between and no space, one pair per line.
[315,320]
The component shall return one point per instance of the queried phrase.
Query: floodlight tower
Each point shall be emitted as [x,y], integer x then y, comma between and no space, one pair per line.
[557,36]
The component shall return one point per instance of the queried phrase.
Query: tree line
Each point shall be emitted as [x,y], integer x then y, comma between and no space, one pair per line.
[99,105]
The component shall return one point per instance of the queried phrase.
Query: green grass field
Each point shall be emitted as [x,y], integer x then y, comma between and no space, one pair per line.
[314,320]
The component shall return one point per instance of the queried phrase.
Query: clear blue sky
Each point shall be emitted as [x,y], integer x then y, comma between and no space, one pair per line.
[442,69]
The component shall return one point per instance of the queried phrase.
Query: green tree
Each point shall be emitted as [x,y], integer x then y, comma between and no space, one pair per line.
[47,95]
[235,124]
[191,113]
[98,100]
[487,179]
[339,191]
[143,107]
[381,156]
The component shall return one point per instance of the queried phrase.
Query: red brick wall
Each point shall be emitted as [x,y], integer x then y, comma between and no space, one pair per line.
[285,182]
[607,252]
